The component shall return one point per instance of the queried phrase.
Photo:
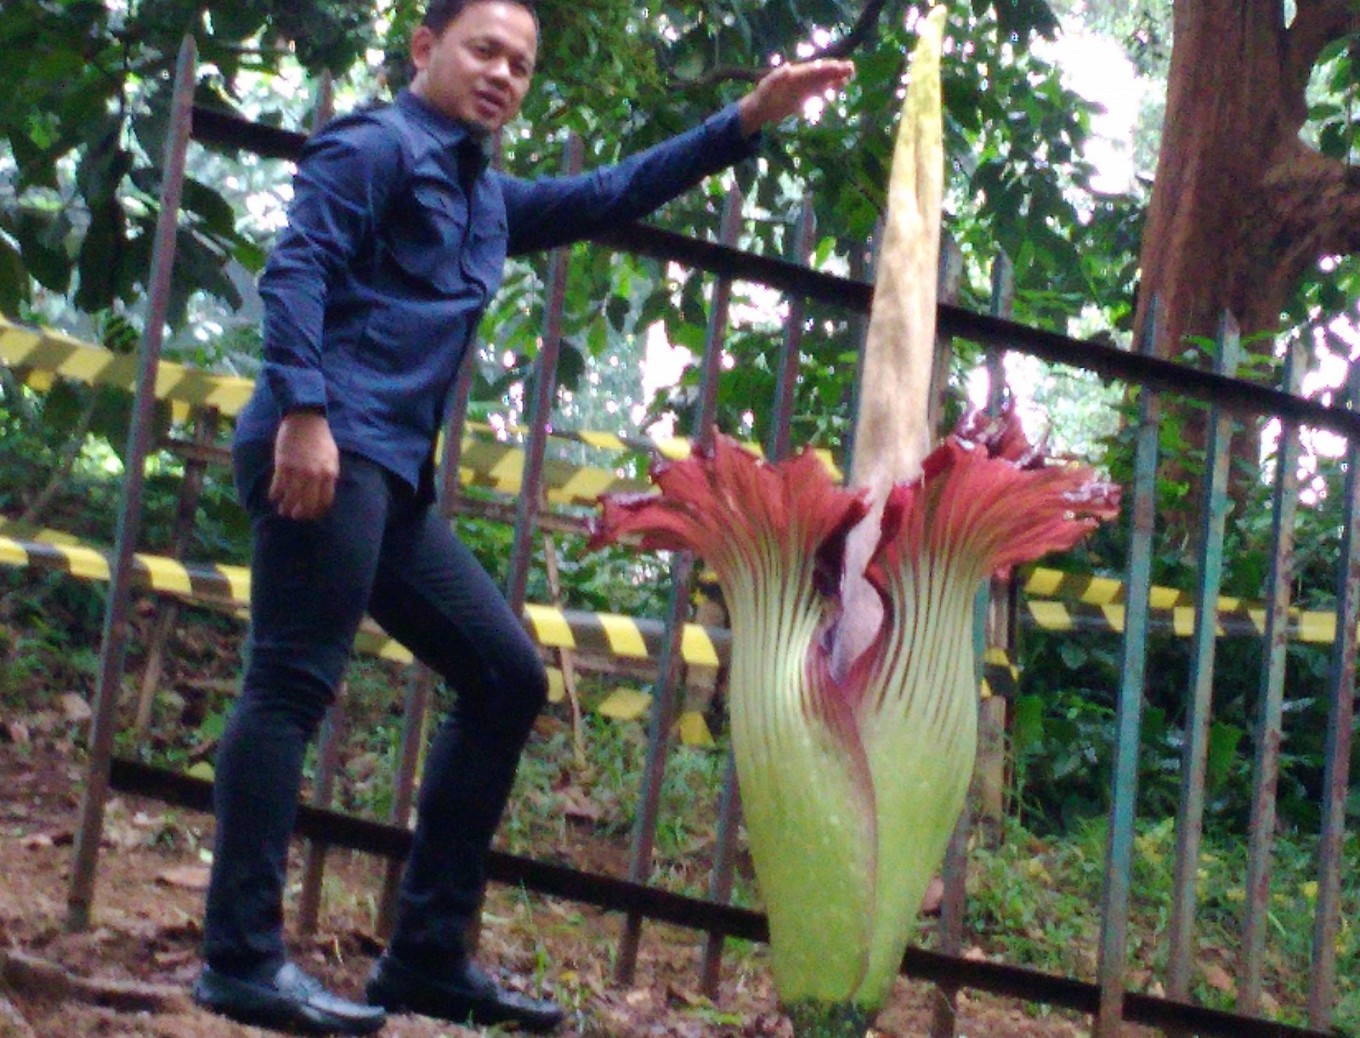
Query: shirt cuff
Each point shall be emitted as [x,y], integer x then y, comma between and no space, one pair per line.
[726,126]
[296,389]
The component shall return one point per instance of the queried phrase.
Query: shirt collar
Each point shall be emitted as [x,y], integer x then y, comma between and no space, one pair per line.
[450,133]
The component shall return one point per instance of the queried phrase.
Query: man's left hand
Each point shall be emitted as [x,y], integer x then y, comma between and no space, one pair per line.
[785,89]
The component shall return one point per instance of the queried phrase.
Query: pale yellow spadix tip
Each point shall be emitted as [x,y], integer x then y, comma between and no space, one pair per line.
[892,433]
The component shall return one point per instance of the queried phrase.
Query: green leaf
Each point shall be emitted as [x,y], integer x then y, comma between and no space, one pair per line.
[14,286]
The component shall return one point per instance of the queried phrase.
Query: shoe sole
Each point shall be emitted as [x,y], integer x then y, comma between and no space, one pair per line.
[472,1017]
[300,1020]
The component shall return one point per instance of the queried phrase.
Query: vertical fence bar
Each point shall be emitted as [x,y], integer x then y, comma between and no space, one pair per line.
[729,803]
[113,645]
[1199,698]
[327,763]
[949,280]
[949,935]
[1336,771]
[861,269]
[186,511]
[540,409]
[1003,305]
[989,778]
[333,723]
[954,868]
[419,687]
[662,717]
[800,252]
[451,455]
[1114,905]
[1275,641]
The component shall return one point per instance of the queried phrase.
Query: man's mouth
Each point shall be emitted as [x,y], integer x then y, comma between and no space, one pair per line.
[491,103]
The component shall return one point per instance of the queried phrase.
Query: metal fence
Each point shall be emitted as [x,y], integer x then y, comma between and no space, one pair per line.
[1107,999]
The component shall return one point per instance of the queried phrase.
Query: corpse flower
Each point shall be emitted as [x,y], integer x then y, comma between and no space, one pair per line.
[852,690]
[851,787]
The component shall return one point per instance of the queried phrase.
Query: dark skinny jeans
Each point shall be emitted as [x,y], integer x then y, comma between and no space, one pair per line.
[383,550]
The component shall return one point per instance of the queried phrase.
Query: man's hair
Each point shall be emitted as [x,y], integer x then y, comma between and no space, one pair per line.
[439,13]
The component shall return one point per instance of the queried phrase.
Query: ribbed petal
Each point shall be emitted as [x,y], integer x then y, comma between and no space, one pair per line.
[775,535]
[851,788]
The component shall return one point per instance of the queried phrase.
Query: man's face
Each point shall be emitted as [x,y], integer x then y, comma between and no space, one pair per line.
[478,70]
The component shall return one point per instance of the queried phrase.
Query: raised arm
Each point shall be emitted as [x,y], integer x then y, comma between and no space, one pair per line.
[557,210]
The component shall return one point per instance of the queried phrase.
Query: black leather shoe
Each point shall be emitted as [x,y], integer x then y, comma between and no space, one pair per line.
[292,1002]
[463,994]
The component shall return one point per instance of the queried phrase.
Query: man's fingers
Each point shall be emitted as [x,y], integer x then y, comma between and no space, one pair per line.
[301,496]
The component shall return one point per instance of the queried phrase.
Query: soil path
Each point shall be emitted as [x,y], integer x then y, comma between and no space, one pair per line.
[130,974]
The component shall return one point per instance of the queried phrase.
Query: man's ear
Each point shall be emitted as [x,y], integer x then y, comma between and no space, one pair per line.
[422,42]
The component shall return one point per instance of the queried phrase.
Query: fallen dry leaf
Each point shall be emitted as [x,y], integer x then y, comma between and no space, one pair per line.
[75,708]
[1219,978]
[186,877]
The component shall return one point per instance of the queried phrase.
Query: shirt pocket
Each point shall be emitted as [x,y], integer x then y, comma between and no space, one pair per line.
[426,240]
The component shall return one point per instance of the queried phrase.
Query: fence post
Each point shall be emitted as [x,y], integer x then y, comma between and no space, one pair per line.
[992,622]
[419,687]
[862,260]
[989,778]
[1266,771]
[729,803]
[682,570]
[540,408]
[1114,904]
[186,507]
[1336,772]
[1199,698]
[327,763]
[113,644]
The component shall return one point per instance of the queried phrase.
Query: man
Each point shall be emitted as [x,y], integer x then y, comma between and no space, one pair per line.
[397,235]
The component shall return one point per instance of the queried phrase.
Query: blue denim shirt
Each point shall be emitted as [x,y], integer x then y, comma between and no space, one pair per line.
[396,239]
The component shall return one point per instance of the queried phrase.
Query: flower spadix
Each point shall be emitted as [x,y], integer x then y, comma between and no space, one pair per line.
[851,786]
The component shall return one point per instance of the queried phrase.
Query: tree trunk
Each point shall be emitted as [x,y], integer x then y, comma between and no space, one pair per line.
[1241,207]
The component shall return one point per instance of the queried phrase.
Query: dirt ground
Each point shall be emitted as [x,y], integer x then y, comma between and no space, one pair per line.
[129,974]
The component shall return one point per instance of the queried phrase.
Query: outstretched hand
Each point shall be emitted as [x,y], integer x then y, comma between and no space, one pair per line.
[785,89]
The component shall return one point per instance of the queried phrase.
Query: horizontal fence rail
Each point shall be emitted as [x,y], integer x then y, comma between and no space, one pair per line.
[621,895]
[1234,395]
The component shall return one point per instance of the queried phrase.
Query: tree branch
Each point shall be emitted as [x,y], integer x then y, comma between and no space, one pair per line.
[28,974]
[863,31]
[1316,24]
[1315,201]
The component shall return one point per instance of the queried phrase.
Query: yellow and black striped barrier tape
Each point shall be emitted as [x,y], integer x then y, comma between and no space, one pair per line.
[607,634]
[1317,628]
[498,466]
[1100,591]
[672,448]
[44,355]
[1000,675]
